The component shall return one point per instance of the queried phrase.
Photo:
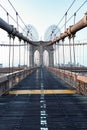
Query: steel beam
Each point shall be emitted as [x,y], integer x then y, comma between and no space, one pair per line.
[12,31]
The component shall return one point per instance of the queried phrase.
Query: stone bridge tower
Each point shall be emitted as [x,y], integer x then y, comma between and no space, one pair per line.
[41,47]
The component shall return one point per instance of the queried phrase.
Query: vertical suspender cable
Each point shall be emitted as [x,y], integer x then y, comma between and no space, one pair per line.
[13,57]
[83,54]
[13,62]
[73,37]
[55,55]
[24,53]
[19,56]
[9,51]
[9,35]
[58,58]
[63,53]
[24,59]
[8,17]
[77,58]
[57,52]
[58,55]
[70,51]
[63,57]
[27,55]
[17,21]
[74,50]
[74,17]
[65,20]
[19,53]
[18,30]
[70,57]
[80,55]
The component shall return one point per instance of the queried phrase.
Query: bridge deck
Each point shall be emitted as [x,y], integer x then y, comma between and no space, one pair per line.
[43,111]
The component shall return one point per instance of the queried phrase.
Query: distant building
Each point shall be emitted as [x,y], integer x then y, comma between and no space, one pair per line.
[1,65]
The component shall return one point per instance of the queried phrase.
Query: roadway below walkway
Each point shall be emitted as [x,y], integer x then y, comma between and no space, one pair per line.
[31,105]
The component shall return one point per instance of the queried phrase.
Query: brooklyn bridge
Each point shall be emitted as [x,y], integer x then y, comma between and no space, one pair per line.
[43,81]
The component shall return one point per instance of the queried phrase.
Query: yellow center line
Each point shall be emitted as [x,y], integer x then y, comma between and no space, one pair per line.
[42,91]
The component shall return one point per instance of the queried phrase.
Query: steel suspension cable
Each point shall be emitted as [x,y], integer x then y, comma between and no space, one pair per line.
[13,18]
[10,17]
[77,11]
[7,13]
[74,14]
[65,16]
[66,12]
[17,13]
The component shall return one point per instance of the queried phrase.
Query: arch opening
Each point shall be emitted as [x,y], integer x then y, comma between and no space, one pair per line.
[36,58]
[46,58]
